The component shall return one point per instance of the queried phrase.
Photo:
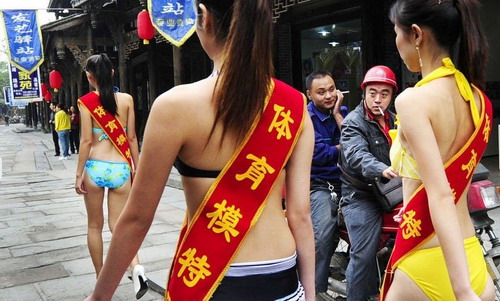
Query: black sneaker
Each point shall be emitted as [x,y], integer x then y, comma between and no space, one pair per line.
[57,155]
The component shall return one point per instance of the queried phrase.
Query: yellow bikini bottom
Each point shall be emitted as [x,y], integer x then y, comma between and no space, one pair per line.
[427,269]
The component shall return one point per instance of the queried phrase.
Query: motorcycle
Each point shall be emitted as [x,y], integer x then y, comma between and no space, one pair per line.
[482,197]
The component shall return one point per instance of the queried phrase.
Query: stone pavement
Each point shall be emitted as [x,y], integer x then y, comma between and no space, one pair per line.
[43,246]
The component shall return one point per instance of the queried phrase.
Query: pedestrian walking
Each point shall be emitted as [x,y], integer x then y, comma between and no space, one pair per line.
[62,125]
[107,160]
[444,125]
[238,243]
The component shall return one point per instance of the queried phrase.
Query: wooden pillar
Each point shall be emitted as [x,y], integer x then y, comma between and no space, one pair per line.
[177,60]
[34,115]
[27,110]
[122,67]
[153,87]
[74,96]
[90,41]
[79,88]
[45,122]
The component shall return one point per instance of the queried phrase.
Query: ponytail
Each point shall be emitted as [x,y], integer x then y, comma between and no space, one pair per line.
[455,24]
[100,66]
[245,75]
[473,48]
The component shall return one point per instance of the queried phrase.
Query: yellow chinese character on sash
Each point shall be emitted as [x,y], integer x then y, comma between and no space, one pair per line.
[454,193]
[128,153]
[121,140]
[197,267]
[257,171]
[112,126]
[282,126]
[99,111]
[487,129]
[469,167]
[225,219]
[411,226]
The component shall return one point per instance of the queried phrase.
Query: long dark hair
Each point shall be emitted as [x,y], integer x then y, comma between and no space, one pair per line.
[245,27]
[454,23]
[100,66]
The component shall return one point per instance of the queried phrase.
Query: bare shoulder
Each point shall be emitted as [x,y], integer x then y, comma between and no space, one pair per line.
[422,98]
[124,97]
[408,97]
[185,99]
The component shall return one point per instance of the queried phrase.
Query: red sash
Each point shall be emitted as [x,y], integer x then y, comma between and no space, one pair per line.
[416,227]
[236,199]
[109,124]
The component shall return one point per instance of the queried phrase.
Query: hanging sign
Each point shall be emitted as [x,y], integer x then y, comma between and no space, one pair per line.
[174,19]
[25,87]
[7,96]
[24,46]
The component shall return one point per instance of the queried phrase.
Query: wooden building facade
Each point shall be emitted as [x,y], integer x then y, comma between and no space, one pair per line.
[346,37]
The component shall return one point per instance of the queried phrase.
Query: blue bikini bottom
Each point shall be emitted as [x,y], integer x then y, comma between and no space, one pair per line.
[107,174]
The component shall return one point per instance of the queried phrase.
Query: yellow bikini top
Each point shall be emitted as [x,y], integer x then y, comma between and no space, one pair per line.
[401,161]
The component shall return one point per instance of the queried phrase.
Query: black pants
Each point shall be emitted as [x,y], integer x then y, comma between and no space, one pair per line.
[74,140]
[55,138]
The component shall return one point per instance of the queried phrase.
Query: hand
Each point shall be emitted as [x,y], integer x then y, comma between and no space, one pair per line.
[468,295]
[399,217]
[389,173]
[338,103]
[79,185]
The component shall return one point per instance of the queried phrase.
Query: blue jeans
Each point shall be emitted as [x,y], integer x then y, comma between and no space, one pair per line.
[324,220]
[64,140]
[363,219]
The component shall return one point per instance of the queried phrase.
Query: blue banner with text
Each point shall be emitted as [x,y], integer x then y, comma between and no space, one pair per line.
[24,38]
[25,87]
[174,19]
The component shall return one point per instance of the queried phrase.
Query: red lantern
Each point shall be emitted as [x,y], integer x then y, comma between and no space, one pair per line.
[47,96]
[44,89]
[55,80]
[145,29]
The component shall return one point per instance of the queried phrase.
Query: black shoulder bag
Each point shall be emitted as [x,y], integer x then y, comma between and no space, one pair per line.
[389,192]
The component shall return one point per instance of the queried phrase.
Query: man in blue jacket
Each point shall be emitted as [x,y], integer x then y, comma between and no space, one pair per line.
[327,114]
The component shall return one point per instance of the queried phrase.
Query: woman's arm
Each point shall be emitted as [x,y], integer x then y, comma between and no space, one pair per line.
[131,133]
[161,145]
[84,148]
[298,206]
[417,127]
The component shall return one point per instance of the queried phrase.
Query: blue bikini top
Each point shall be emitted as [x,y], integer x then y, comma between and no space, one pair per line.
[103,136]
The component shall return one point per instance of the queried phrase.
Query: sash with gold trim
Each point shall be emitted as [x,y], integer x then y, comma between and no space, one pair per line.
[110,125]
[236,199]
[416,226]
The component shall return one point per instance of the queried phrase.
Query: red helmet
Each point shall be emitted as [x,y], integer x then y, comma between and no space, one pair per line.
[380,74]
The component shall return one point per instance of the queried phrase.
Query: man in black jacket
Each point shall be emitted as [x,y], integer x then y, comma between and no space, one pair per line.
[365,145]
[55,138]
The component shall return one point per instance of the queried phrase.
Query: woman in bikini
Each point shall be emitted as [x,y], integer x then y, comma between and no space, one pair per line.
[436,255]
[273,256]
[101,165]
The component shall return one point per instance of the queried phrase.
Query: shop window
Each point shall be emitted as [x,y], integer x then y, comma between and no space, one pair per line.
[336,48]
